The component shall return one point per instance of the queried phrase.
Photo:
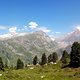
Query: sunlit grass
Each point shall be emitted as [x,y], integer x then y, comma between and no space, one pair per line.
[49,72]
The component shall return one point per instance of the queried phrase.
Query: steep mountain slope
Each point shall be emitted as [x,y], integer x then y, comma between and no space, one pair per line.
[26,47]
[72,37]
[69,39]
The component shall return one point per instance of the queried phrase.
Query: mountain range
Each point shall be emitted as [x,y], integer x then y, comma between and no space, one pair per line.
[66,41]
[26,45]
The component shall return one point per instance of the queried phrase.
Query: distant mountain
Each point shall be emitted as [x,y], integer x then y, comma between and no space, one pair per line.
[72,37]
[26,46]
[66,41]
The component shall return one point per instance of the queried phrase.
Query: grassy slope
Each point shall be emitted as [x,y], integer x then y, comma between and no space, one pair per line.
[50,72]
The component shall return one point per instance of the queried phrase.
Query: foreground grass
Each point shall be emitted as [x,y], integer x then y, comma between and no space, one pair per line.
[49,72]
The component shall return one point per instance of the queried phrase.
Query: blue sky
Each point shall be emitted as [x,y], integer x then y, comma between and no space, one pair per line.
[55,16]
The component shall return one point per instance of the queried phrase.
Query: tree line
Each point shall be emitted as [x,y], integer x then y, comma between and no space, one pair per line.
[70,60]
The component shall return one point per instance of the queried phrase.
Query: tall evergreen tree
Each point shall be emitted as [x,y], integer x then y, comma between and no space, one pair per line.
[43,59]
[54,57]
[75,55]
[35,60]
[64,57]
[1,64]
[50,58]
[6,65]
[20,64]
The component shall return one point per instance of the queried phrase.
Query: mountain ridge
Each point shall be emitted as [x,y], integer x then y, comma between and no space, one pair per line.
[26,47]
[66,41]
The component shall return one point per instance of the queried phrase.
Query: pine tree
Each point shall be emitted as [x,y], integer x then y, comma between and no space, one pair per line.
[6,65]
[35,60]
[20,64]
[75,55]
[43,59]
[1,64]
[50,58]
[54,57]
[65,56]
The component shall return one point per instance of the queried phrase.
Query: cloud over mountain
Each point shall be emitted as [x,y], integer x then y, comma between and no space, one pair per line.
[13,30]
[78,27]
[32,25]
[44,29]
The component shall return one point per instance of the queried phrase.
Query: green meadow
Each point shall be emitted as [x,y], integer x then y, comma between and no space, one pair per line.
[46,72]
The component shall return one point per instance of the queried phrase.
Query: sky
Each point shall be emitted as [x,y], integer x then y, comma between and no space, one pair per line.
[55,17]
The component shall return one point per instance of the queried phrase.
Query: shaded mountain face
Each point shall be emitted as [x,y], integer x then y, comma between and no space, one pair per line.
[26,47]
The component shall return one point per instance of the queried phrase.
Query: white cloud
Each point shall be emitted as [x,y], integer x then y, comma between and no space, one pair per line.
[2,27]
[25,26]
[77,27]
[36,27]
[6,35]
[20,29]
[44,29]
[22,34]
[57,32]
[33,25]
[13,30]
